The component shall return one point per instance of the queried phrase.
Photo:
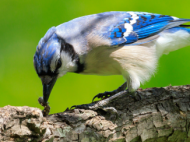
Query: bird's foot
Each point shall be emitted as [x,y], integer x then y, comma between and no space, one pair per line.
[108,94]
[135,95]
[103,104]
[103,95]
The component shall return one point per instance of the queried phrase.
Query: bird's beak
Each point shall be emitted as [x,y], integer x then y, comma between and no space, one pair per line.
[47,87]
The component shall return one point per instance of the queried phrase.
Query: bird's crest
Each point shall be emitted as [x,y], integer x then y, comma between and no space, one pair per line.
[48,34]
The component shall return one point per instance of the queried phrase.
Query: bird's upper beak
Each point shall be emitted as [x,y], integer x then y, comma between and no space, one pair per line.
[48,83]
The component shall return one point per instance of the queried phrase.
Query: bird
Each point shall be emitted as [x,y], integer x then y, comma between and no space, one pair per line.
[110,43]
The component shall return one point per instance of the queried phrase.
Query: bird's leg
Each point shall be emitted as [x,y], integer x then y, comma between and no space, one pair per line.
[102,103]
[108,94]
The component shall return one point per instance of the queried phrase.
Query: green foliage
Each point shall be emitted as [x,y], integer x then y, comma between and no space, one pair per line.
[23,23]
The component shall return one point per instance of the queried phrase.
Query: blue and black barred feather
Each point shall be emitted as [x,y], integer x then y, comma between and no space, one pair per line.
[139,25]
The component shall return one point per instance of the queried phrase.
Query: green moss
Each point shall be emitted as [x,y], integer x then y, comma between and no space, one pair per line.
[187,140]
[188,133]
[178,136]
[137,139]
[119,140]
[165,132]
[160,139]
[50,140]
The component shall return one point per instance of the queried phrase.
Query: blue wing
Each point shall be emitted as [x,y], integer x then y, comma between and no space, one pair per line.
[137,26]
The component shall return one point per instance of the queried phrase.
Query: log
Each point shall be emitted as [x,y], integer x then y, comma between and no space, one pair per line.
[159,115]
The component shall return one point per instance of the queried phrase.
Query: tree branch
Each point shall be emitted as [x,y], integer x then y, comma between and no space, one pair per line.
[161,115]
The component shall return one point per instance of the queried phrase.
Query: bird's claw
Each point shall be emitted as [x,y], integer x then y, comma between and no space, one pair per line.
[102,96]
[106,94]
[83,106]
[74,106]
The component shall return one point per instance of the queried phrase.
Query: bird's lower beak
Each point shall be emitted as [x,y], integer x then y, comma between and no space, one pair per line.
[47,87]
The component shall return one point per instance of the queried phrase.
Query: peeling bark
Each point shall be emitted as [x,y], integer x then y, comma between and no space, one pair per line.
[161,115]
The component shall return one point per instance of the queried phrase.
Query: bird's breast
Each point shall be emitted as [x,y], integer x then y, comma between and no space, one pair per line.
[99,62]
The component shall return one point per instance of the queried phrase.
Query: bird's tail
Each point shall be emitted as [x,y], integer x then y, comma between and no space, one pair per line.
[173,39]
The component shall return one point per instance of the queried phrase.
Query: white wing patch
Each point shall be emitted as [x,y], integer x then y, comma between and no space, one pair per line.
[128,26]
[134,18]
[129,29]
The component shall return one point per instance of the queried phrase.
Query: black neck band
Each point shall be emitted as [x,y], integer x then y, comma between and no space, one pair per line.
[80,67]
[66,47]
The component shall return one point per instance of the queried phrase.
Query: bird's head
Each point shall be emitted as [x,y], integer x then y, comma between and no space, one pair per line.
[53,58]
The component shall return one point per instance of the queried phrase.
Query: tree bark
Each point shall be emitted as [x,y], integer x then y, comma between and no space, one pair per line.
[158,115]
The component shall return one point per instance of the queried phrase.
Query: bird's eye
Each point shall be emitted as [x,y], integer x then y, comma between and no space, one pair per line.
[59,63]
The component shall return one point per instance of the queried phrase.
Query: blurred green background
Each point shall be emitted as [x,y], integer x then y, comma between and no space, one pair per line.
[23,23]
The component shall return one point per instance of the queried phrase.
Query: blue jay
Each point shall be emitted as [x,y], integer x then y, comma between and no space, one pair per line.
[110,43]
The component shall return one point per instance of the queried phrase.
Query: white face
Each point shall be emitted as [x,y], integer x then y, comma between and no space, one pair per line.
[68,65]
[55,62]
